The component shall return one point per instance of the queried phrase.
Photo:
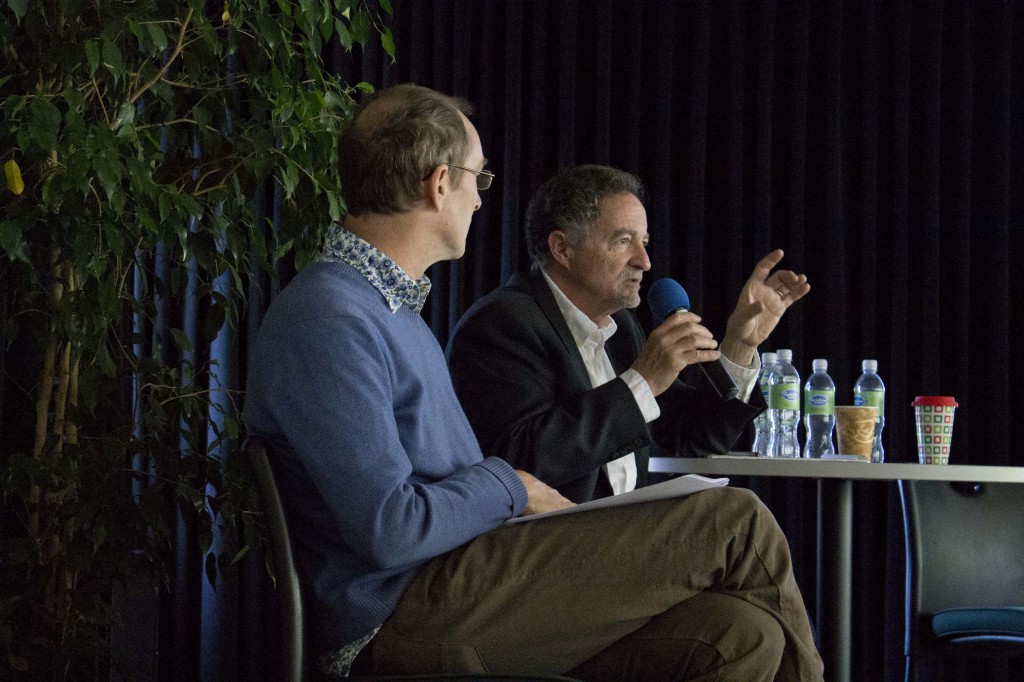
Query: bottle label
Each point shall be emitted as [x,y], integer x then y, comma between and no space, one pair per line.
[764,385]
[785,395]
[820,402]
[871,399]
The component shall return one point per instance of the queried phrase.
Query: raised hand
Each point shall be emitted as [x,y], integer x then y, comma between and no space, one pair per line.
[763,300]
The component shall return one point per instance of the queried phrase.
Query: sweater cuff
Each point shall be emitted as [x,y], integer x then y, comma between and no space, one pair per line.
[508,476]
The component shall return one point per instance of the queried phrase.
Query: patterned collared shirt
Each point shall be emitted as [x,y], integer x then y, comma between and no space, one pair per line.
[391,281]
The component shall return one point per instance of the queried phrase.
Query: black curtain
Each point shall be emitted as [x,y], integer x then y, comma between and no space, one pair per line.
[879,144]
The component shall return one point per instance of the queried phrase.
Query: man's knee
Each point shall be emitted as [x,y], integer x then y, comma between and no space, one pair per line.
[735,627]
[742,499]
[711,636]
[717,634]
[749,641]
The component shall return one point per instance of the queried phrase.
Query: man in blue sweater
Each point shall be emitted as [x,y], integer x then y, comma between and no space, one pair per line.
[397,516]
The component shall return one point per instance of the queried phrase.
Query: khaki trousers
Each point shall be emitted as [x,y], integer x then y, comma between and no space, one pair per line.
[695,588]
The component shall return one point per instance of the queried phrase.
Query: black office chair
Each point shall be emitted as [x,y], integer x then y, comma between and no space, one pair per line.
[294,664]
[965,572]
[289,596]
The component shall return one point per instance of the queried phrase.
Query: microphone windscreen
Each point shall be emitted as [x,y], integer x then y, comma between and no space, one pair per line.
[665,297]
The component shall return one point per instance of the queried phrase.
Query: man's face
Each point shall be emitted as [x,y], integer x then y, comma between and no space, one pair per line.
[465,198]
[604,272]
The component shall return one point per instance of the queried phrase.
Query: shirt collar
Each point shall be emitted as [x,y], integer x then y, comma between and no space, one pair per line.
[585,332]
[397,288]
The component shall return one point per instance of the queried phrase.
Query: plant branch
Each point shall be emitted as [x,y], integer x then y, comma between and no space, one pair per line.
[164,124]
[63,385]
[45,395]
[167,64]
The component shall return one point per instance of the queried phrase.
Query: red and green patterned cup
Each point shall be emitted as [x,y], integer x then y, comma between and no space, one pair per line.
[933,415]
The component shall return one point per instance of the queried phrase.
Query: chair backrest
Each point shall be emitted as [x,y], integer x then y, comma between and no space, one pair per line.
[289,598]
[965,547]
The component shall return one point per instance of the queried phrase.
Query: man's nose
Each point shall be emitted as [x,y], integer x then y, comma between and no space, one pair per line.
[640,259]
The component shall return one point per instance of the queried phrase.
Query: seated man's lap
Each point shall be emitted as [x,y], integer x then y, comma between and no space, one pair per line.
[546,595]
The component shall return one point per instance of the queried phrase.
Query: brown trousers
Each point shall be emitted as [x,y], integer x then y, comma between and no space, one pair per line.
[697,588]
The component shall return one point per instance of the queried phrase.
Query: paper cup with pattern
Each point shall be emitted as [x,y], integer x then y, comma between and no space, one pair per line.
[855,429]
[933,415]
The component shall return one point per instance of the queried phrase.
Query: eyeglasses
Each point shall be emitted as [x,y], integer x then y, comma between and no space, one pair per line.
[483,178]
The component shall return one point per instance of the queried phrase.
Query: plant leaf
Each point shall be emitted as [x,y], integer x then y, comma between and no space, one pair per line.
[105,362]
[18,7]
[182,340]
[387,41]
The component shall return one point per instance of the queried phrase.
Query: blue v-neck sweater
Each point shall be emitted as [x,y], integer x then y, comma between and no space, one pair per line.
[377,466]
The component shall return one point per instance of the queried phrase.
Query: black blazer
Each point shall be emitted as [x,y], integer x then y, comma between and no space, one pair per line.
[527,394]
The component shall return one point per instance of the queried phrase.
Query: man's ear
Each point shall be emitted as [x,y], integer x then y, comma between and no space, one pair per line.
[560,248]
[436,187]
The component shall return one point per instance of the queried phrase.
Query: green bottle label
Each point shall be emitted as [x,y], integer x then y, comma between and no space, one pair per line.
[785,395]
[871,399]
[820,402]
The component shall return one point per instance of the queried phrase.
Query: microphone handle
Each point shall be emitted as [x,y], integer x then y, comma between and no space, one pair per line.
[720,379]
[717,374]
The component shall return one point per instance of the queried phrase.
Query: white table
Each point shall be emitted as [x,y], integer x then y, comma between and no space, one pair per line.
[835,515]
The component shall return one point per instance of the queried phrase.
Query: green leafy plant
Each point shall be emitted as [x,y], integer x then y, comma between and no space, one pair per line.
[136,137]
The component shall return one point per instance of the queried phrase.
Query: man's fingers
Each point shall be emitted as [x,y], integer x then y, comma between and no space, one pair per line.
[765,265]
[792,288]
[680,326]
[699,356]
[788,278]
[679,318]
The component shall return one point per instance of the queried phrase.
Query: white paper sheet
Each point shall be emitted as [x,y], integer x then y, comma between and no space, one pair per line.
[676,487]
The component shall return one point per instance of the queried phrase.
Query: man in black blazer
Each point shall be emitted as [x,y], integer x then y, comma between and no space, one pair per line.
[553,370]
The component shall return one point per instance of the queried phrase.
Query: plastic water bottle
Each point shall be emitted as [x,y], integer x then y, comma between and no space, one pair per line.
[819,411]
[784,405]
[869,390]
[762,422]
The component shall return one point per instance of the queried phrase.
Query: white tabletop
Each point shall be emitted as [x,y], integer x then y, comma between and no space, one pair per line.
[748,465]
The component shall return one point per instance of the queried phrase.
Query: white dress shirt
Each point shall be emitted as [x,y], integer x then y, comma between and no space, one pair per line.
[590,339]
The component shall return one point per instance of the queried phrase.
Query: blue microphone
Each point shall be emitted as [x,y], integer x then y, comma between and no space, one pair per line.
[668,296]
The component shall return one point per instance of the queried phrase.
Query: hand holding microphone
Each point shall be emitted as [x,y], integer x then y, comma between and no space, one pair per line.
[679,341]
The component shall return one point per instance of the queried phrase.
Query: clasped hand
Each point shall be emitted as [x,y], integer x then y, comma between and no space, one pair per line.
[677,342]
[540,497]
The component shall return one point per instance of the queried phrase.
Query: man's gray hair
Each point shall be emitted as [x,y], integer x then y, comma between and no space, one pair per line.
[397,137]
[567,202]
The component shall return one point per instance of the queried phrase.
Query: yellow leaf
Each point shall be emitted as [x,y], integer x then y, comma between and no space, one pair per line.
[13,173]
[226,16]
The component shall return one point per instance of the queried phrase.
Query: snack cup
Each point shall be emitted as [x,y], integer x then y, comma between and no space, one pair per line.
[855,429]
[933,415]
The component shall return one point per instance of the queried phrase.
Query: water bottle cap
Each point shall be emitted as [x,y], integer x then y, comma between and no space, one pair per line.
[768,359]
[819,364]
[871,365]
[785,354]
